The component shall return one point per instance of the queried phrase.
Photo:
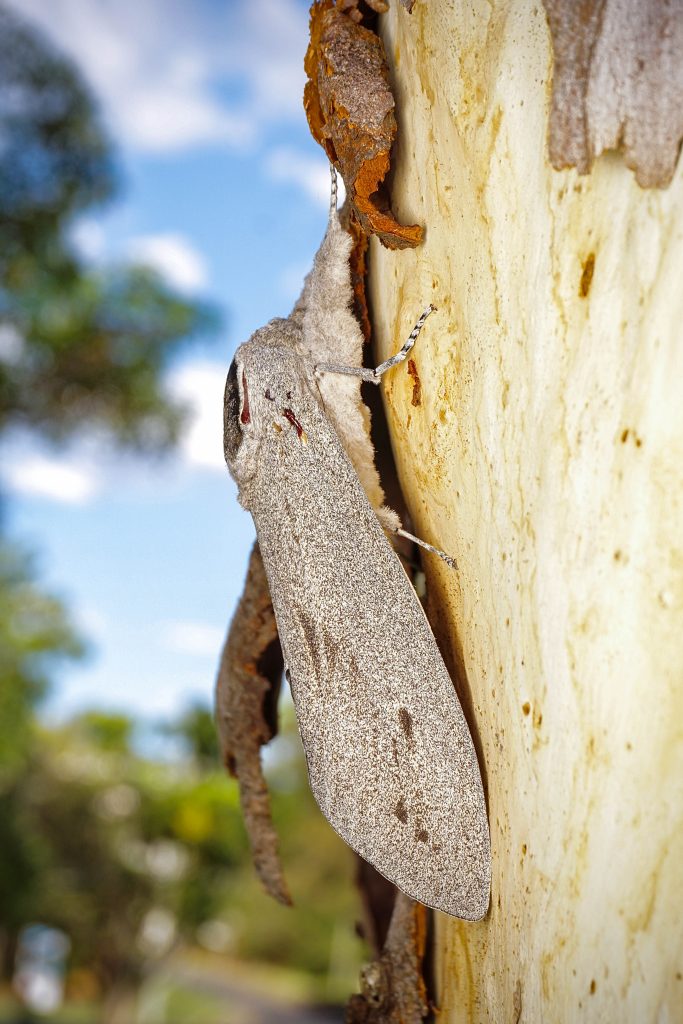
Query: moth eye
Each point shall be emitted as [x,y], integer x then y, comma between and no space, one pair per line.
[232,435]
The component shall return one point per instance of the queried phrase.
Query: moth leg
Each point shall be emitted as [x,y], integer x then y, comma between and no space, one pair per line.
[428,547]
[392,524]
[375,375]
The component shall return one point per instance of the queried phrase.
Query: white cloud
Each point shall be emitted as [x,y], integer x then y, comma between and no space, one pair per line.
[174,257]
[161,67]
[89,238]
[312,174]
[200,386]
[92,466]
[56,479]
[196,638]
[92,622]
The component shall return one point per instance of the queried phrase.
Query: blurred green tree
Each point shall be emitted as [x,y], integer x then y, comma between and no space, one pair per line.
[77,345]
[34,634]
[133,857]
[196,729]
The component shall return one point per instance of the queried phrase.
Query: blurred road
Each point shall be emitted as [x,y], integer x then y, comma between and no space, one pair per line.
[244,1005]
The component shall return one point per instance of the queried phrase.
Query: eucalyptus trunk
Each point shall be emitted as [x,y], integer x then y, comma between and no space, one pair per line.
[538,431]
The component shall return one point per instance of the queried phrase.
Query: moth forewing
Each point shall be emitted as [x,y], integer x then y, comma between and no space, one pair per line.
[390,757]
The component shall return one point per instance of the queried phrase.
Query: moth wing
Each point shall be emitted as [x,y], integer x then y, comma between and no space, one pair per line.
[390,757]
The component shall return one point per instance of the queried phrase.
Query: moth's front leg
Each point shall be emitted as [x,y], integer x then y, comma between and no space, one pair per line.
[375,375]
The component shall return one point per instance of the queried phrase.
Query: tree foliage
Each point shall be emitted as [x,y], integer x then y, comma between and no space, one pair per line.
[81,345]
[101,842]
[34,634]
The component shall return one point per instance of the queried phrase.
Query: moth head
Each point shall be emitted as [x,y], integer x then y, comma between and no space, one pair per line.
[264,391]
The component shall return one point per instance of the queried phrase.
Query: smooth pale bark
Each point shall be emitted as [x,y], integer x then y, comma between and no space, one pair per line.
[546,454]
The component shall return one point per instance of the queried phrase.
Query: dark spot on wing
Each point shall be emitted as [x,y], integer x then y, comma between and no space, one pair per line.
[401,812]
[421,835]
[245,417]
[269,395]
[308,630]
[406,721]
[394,749]
[326,652]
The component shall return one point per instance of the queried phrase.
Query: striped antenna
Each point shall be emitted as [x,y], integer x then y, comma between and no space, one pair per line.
[333,190]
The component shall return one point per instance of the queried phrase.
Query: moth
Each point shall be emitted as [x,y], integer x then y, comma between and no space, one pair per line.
[390,758]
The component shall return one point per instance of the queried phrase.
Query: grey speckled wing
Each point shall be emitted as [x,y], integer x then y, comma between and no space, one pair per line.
[390,758]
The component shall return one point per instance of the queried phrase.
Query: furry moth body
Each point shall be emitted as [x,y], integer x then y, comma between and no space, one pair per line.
[390,757]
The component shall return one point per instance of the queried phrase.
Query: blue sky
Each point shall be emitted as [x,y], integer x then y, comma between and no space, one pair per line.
[225,193]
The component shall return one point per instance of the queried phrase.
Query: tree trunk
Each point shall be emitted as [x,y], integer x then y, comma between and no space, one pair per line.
[538,433]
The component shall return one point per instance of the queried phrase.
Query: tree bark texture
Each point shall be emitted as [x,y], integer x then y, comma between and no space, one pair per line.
[538,432]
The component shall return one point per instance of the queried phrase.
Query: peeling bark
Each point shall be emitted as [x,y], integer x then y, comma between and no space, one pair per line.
[350,110]
[378,896]
[393,989]
[617,84]
[246,712]
[358,263]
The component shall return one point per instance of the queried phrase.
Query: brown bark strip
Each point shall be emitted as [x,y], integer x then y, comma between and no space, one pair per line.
[350,110]
[393,989]
[617,84]
[246,714]
[359,267]
[378,896]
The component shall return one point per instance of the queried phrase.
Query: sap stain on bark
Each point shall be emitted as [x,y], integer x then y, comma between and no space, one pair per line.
[587,271]
[416,398]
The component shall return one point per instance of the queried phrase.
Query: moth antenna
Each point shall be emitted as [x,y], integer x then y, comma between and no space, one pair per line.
[374,375]
[333,191]
[410,341]
[428,547]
